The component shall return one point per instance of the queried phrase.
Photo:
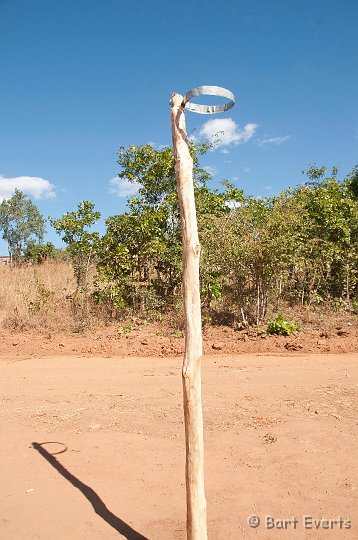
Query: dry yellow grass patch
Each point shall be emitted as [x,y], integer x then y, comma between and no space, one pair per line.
[37,296]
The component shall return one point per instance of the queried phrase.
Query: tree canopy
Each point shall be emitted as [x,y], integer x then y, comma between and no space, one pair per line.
[74,229]
[299,246]
[20,223]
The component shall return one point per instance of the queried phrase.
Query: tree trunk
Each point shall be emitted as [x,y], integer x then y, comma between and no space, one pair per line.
[191,372]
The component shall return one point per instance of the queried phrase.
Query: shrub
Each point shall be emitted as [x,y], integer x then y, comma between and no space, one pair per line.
[281,326]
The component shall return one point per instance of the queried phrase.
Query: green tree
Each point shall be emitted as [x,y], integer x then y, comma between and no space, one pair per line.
[148,234]
[129,254]
[257,254]
[39,253]
[327,254]
[20,223]
[353,182]
[81,243]
[248,250]
[154,171]
[299,246]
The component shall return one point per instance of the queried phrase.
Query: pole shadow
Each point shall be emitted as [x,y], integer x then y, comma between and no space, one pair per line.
[98,505]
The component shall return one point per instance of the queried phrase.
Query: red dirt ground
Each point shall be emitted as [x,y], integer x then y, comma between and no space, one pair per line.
[280,439]
[336,336]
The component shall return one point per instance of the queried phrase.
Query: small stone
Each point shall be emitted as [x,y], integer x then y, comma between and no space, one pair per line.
[269,438]
[61,344]
[15,343]
[217,346]
[293,346]
[144,342]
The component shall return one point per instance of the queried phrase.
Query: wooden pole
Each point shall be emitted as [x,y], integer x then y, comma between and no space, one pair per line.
[191,372]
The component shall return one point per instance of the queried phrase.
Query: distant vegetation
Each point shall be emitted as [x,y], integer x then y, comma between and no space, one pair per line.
[258,255]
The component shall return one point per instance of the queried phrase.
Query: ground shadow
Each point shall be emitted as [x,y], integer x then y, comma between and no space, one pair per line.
[222,318]
[98,505]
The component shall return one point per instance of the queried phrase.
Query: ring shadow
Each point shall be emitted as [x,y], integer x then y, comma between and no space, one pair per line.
[98,505]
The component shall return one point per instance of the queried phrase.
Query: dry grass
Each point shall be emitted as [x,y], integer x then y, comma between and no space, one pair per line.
[42,298]
[37,296]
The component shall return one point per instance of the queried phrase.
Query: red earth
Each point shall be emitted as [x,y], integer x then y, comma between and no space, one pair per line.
[93,441]
[141,339]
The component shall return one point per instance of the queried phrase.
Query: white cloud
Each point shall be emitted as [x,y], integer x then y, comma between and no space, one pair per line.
[157,146]
[224,151]
[227,131]
[274,140]
[210,169]
[247,169]
[233,204]
[122,187]
[39,188]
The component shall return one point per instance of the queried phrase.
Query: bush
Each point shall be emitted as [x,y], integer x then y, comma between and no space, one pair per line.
[39,253]
[281,326]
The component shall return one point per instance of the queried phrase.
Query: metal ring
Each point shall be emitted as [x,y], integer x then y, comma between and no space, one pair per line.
[209,91]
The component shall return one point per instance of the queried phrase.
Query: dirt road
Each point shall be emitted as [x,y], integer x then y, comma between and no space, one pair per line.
[280,435]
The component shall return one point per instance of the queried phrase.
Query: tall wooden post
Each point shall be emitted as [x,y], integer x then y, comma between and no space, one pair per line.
[191,372]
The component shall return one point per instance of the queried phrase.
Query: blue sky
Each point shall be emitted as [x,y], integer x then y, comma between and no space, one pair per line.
[80,79]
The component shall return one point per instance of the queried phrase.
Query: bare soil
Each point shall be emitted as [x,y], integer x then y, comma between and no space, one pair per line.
[93,447]
[334,335]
